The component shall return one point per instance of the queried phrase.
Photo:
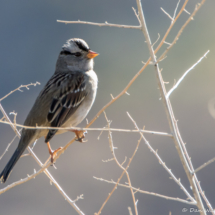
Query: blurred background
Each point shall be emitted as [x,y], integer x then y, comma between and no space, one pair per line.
[31,40]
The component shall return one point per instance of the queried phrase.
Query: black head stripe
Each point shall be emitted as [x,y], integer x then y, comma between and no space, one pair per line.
[65,52]
[81,45]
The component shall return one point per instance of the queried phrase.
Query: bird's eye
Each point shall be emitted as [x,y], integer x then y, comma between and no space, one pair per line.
[78,54]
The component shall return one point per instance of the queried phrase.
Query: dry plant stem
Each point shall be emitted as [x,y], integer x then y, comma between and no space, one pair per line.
[87,129]
[129,162]
[149,193]
[204,165]
[183,76]
[181,30]
[130,211]
[7,147]
[25,179]
[120,165]
[170,115]
[194,178]
[170,27]
[19,89]
[162,163]
[100,24]
[167,14]
[176,8]
[66,197]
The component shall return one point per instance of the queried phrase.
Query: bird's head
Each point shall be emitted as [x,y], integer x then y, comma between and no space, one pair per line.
[76,56]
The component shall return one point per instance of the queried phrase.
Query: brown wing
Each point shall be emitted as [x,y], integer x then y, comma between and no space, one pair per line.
[71,93]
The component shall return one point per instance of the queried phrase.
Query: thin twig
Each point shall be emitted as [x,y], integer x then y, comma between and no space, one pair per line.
[100,24]
[204,165]
[156,40]
[8,145]
[138,143]
[183,76]
[88,129]
[137,15]
[21,181]
[19,89]
[130,211]
[167,14]
[118,163]
[198,6]
[147,192]
[176,8]
[170,27]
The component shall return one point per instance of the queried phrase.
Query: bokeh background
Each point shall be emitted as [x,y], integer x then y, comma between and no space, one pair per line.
[30,42]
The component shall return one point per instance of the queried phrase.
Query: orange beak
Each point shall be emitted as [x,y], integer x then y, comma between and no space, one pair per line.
[92,54]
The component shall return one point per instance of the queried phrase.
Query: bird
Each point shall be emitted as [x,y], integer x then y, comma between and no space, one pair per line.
[65,100]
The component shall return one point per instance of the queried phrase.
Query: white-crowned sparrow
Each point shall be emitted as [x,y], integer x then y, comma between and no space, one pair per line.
[65,100]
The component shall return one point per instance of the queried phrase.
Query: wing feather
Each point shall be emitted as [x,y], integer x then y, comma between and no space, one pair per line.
[71,93]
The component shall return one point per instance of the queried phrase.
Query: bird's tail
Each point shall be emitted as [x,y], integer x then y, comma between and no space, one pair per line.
[8,168]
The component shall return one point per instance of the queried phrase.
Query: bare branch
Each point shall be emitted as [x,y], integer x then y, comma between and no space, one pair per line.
[125,169]
[183,76]
[186,11]
[130,211]
[8,145]
[167,14]
[162,163]
[117,162]
[147,192]
[87,129]
[100,24]
[204,165]
[198,6]
[156,40]
[170,115]
[170,27]
[19,89]
[137,15]
[176,9]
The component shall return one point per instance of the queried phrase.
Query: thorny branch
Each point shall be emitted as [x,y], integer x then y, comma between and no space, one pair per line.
[187,165]
[120,165]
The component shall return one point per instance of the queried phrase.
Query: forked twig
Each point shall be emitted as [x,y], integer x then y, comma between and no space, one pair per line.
[178,181]
[125,169]
[19,89]
[198,6]
[147,192]
[118,163]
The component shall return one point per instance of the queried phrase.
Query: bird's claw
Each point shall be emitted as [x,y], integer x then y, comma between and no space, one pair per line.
[53,153]
[80,135]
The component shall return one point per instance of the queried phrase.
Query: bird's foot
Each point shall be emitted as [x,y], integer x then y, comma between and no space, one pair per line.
[53,153]
[80,135]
